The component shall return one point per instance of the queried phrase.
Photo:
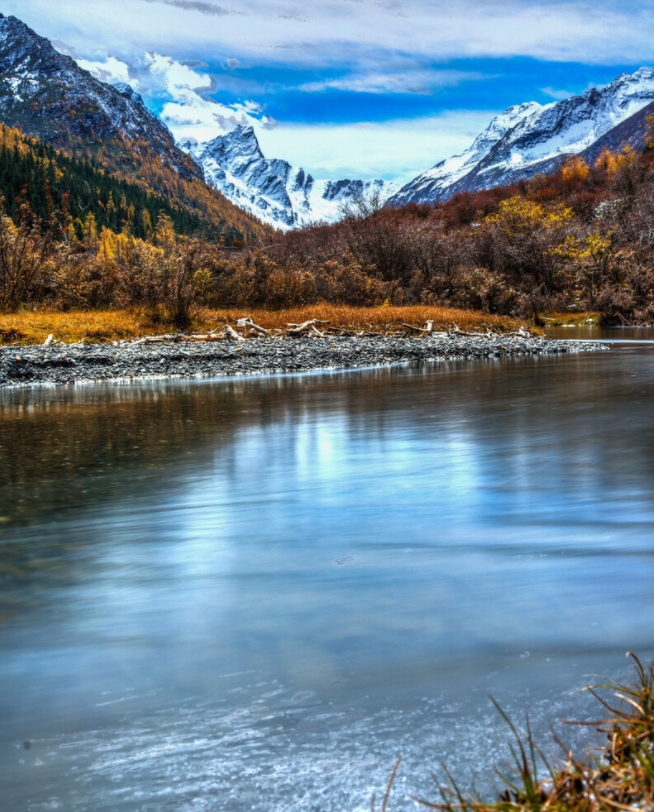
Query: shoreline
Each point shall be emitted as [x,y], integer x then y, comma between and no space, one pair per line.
[71,364]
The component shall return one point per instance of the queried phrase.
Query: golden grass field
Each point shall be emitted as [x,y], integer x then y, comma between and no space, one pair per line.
[33,327]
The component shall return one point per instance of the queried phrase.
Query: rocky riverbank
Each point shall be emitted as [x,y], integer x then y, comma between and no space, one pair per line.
[72,363]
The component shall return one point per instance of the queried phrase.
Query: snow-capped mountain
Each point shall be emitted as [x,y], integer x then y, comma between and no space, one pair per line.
[448,172]
[533,138]
[281,195]
[46,93]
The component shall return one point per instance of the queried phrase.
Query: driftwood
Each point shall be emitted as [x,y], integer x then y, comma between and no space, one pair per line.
[50,340]
[521,333]
[249,323]
[230,332]
[310,328]
[208,337]
[456,331]
[427,330]
[158,339]
[298,329]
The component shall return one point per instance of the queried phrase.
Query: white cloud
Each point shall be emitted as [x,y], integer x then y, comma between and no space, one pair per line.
[193,118]
[372,43]
[189,114]
[174,76]
[109,70]
[411,81]
[393,150]
[335,32]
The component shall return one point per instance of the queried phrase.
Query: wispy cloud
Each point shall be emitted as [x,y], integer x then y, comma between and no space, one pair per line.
[395,55]
[553,93]
[197,5]
[604,32]
[412,82]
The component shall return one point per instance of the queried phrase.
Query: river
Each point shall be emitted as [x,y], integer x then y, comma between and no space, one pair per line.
[255,593]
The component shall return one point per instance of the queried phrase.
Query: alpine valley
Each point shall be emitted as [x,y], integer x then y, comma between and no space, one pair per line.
[227,182]
[226,186]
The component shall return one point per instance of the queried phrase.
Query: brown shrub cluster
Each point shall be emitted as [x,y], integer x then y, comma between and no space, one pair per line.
[580,239]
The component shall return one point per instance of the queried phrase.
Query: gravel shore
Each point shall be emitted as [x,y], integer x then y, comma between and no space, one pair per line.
[72,363]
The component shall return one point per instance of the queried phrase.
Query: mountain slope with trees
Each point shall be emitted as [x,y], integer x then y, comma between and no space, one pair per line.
[47,94]
[81,197]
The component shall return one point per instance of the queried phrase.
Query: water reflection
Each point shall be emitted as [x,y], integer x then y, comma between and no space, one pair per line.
[262,570]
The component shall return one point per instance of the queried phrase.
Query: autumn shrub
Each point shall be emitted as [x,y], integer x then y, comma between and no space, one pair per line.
[86,282]
[233,283]
[161,280]
[27,255]
[349,282]
[581,237]
[289,286]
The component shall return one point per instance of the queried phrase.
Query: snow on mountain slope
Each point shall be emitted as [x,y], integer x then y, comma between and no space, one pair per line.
[532,138]
[633,132]
[448,172]
[46,93]
[281,195]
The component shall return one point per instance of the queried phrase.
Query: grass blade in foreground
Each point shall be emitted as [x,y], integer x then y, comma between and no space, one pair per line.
[620,777]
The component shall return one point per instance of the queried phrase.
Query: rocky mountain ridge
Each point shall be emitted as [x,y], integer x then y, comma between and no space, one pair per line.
[531,138]
[282,195]
[47,93]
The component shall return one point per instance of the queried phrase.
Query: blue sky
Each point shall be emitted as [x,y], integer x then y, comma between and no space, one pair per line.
[348,88]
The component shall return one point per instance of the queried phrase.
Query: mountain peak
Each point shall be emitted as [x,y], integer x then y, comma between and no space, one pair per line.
[282,195]
[39,87]
[530,138]
[129,93]
[241,143]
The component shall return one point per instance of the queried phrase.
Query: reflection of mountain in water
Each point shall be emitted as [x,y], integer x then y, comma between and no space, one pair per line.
[90,449]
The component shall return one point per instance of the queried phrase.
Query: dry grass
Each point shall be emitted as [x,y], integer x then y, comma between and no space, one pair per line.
[33,327]
[379,318]
[619,777]
[93,325]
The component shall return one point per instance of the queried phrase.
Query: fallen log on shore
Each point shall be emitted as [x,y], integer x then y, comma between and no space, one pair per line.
[310,329]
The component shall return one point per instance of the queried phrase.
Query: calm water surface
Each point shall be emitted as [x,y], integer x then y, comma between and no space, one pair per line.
[255,593]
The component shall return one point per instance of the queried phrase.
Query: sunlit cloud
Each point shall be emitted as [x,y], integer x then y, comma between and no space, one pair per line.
[187,110]
[110,70]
